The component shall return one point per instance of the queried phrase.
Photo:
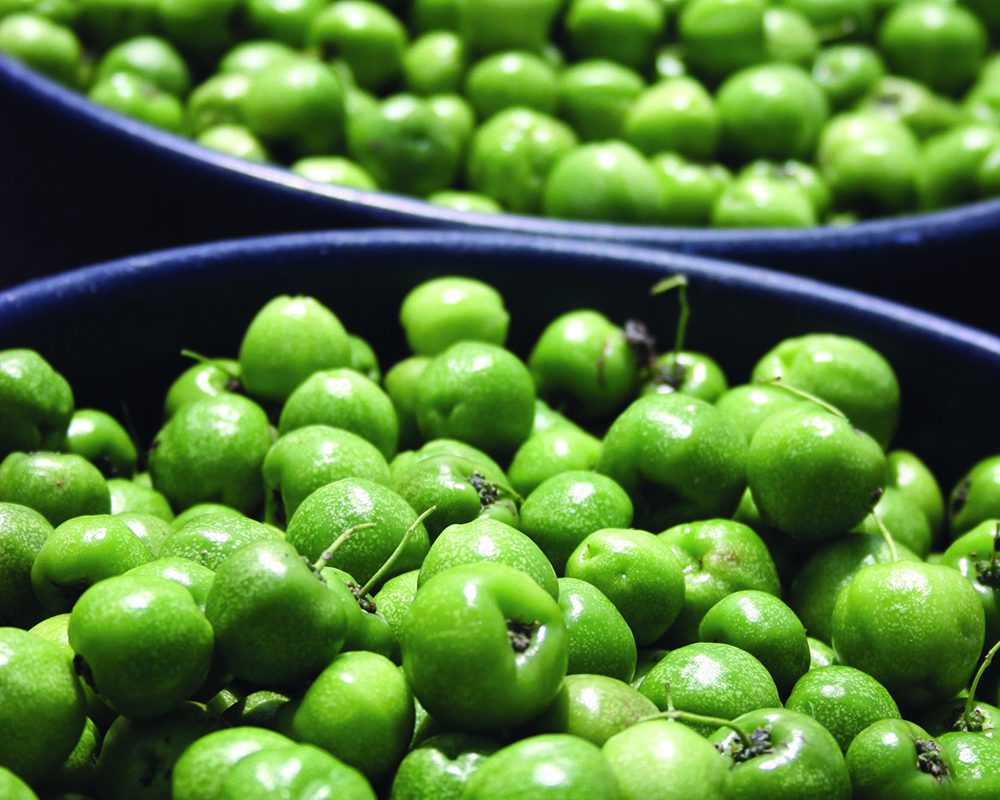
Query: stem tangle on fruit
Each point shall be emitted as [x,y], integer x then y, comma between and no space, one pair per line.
[218,363]
[988,570]
[394,556]
[327,554]
[972,717]
[746,741]
[641,342]
[889,541]
[680,283]
[815,398]
[488,491]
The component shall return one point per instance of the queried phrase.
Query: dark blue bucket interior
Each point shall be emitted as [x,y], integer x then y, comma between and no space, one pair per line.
[80,184]
[116,330]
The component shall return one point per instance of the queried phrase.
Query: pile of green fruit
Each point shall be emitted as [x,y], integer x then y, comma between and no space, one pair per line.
[730,113]
[597,573]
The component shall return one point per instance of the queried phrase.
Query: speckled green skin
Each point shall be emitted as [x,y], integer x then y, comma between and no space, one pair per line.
[359,709]
[305,459]
[976,762]
[331,510]
[603,181]
[275,621]
[678,458]
[600,640]
[440,767]
[366,630]
[100,439]
[806,761]
[819,582]
[906,523]
[440,312]
[459,488]
[976,497]
[973,554]
[570,506]
[41,704]
[918,629]
[343,398]
[146,644]
[288,340]
[812,474]
[910,475]
[773,111]
[882,762]
[750,404]
[677,115]
[211,538]
[546,454]
[138,756]
[637,572]
[205,379]
[298,105]
[365,36]
[36,403]
[400,384]
[820,654]
[511,155]
[457,652]
[665,760]
[593,707]
[843,371]
[709,678]
[23,532]
[573,768]
[717,557]
[763,626]
[199,772]
[212,450]
[81,552]
[583,364]
[299,771]
[393,602]
[128,497]
[488,540]
[843,700]
[194,577]
[58,486]
[478,393]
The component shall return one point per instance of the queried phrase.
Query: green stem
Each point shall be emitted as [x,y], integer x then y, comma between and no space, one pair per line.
[806,396]
[701,719]
[970,702]
[327,554]
[680,283]
[218,363]
[374,579]
[889,541]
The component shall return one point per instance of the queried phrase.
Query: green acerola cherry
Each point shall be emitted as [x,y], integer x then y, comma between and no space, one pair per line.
[205,379]
[212,537]
[44,45]
[149,57]
[142,643]
[676,115]
[548,453]
[843,700]
[478,393]
[343,398]
[288,340]
[367,37]
[212,450]
[440,312]
[911,476]
[511,79]
[199,772]
[974,554]
[23,532]
[440,767]
[560,765]
[933,654]
[812,474]
[36,403]
[595,708]
[652,592]
[718,557]
[896,758]
[308,458]
[677,457]
[976,497]
[335,171]
[600,640]
[766,628]
[59,486]
[596,96]
[707,678]
[101,439]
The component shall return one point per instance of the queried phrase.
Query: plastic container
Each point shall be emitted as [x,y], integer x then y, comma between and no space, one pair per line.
[80,184]
[116,330]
